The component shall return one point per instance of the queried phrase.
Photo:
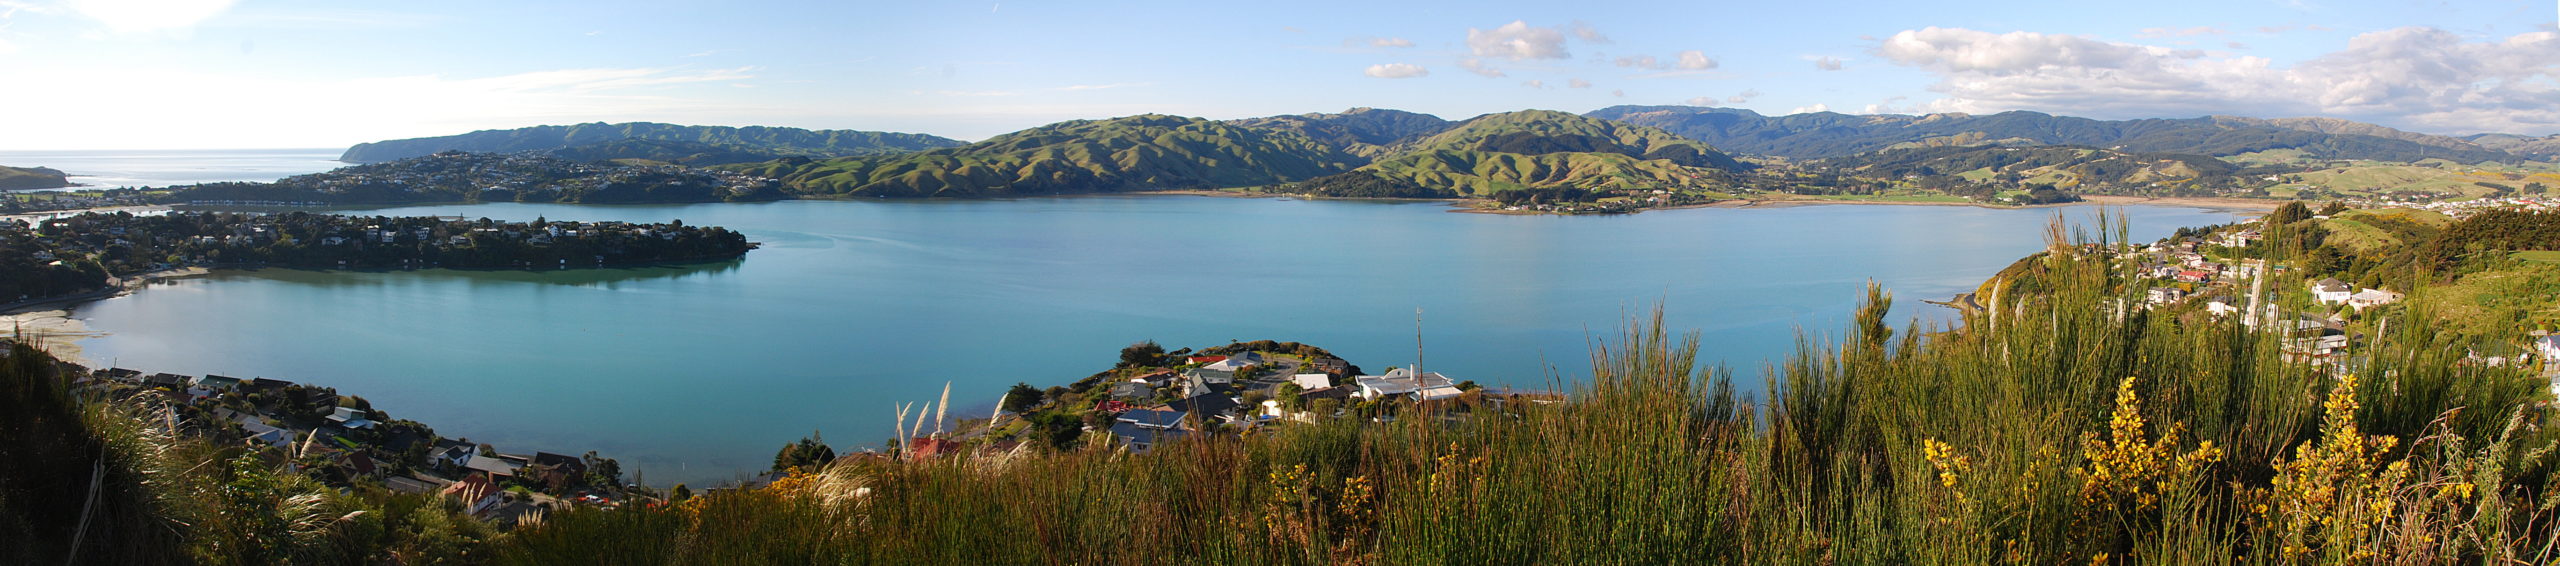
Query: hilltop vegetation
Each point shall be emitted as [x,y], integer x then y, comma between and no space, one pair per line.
[785,141]
[648,151]
[1365,132]
[1828,134]
[2085,170]
[1534,149]
[29,178]
[482,177]
[1131,153]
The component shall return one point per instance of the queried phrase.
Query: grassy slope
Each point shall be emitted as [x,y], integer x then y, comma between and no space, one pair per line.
[1121,154]
[19,178]
[2369,178]
[1455,159]
[2051,433]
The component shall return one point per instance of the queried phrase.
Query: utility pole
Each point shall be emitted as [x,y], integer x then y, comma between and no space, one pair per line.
[1417,343]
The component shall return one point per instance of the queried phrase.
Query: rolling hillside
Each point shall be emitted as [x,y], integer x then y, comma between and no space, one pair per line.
[30,178]
[784,141]
[1828,134]
[2072,168]
[1366,132]
[1533,149]
[1132,153]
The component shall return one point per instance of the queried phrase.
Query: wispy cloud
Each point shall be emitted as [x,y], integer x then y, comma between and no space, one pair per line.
[1397,71]
[1072,88]
[148,16]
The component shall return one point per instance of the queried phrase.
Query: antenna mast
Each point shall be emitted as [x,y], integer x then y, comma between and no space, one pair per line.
[1417,343]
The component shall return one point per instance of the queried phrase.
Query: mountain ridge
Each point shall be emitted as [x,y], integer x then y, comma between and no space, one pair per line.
[781,140]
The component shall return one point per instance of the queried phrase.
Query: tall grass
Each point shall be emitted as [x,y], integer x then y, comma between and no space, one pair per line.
[2060,427]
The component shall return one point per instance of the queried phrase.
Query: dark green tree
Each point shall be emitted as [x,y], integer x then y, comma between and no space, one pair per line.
[2290,213]
[1142,354]
[807,454]
[1021,398]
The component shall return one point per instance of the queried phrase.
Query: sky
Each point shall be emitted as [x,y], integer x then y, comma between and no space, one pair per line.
[166,74]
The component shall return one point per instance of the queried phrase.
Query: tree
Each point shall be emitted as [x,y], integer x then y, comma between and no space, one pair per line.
[1289,396]
[2291,212]
[809,453]
[1022,397]
[1142,354]
[1325,407]
[2333,208]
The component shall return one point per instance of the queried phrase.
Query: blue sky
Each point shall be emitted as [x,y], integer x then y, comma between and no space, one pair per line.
[107,74]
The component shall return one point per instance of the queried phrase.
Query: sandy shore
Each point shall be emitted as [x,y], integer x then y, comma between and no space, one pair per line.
[49,324]
[2198,202]
[52,330]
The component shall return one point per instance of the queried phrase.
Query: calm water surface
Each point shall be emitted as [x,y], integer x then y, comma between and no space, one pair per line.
[161,168]
[699,373]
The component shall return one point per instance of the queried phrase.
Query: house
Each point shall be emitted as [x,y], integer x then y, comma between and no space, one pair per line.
[1206,405]
[1222,371]
[211,385]
[2164,295]
[1204,359]
[2372,298]
[1140,438]
[559,471]
[1132,390]
[1159,418]
[2221,306]
[261,385]
[930,447]
[262,433]
[121,374]
[1312,381]
[350,418]
[2331,291]
[1424,386]
[1333,366]
[169,380]
[2547,349]
[492,466]
[2195,276]
[408,485]
[452,453]
[477,493]
[1157,378]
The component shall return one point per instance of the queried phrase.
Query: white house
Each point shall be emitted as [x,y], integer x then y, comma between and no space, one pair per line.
[349,418]
[2372,298]
[2548,349]
[2221,306]
[1425,386]
[1312,381]
[2331,291]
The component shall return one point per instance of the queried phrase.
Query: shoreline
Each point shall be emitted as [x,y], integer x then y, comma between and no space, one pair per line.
[47,323]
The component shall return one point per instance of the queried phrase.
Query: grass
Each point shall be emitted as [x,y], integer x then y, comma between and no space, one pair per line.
[2538,256]
[2042,431]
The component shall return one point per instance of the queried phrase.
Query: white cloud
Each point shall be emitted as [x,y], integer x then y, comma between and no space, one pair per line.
[1397,71]
[1390,42]
[1826,63]
[1477,66]
[1694,60]
[1534,83]
[976,93]
[1583,31]
[1618,93]
[145,16]
[1810,109]
[1517,41]
[2413,77]
[1577,83]
[1641,62]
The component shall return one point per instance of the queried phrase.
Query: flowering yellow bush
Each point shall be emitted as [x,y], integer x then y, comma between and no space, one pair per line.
[2129,470]
[2335,491]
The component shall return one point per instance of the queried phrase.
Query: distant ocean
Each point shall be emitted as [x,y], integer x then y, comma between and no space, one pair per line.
[166,167]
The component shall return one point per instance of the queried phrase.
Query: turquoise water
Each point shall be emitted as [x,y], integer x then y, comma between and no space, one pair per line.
[700,373]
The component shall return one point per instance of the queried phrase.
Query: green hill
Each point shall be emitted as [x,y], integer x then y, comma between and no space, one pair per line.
[2074,168]
[1533,149]
[1366,132]
[784,141]
[2545,148]
[1829,134]
[30,178]
[1144,152]
[664,151]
